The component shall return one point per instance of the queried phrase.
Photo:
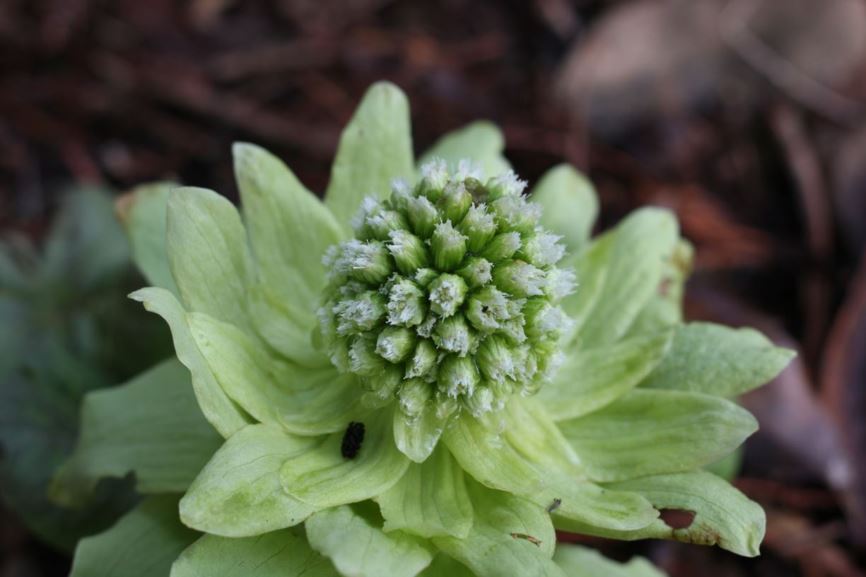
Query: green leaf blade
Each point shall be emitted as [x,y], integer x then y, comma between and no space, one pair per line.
[593,378]
[144,543]
[481,142]
[207,252]
[151,426]
[430,500]
[143,214]
[654,432]
[238,493]
[359,549]
[641,244]
[323,477]
[375,148]
[510,536]
[218,408]
[717,360]
[579,561]
[723,515]
[570,205]
[276,554]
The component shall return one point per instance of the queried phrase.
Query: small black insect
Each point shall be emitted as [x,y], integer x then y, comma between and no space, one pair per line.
[554,505]
[352,439]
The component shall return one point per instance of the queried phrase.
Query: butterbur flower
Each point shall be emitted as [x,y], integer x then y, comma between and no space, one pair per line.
[430,364]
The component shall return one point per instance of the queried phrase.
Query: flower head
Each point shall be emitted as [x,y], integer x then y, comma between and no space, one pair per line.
[451,286]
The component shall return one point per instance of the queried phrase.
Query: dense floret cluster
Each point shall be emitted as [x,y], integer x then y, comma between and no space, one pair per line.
[449,292]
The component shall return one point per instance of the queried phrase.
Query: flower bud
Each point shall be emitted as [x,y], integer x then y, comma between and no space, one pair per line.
[503,246]
[383,223]
[542,249]
[457,376]
[476,272]
[434,178]
[407,305]
[479,227]
[363,359]
[480,402]
[381,387]
[395,343]
[425,276]
[423,360]
[520,279]
[505,184]
[544,321]
[367,262]
[487,309]
[453,335]
[495,359]
[401,192]
[359,314]
[447,293]
[422,215]
[560,283]
[454,202]
[413,395]
[513,212]
[448,246]
[408,251]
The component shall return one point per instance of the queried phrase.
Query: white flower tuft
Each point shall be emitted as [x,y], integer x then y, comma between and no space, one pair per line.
[467,168]
[369,206]
[447,295]
[544,248]
[510,184]
[560,283]
[435,172]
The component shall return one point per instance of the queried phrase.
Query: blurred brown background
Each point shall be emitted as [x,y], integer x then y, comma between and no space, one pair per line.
[746,117]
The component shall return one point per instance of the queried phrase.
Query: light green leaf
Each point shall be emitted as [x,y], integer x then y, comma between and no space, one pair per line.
[570,205]
[430,499]
[652,432]
[510,536]
[375,148]
[303,401]
[151,426]
[717,360]
[665,308]
[513,450]
[144,543]
[416,437]
[723,516]
[445,566]
[143,215]
[323,478]
[593,507]
[289,228]
[479,141]
[641,245]
[207,253]
[277,554]
[577,561]
[527,455]
[238,493]
[218,408]
[283,325]
[590,379]
[590,268]
[359,549]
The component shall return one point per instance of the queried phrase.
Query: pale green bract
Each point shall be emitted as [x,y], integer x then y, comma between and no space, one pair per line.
[455,399]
